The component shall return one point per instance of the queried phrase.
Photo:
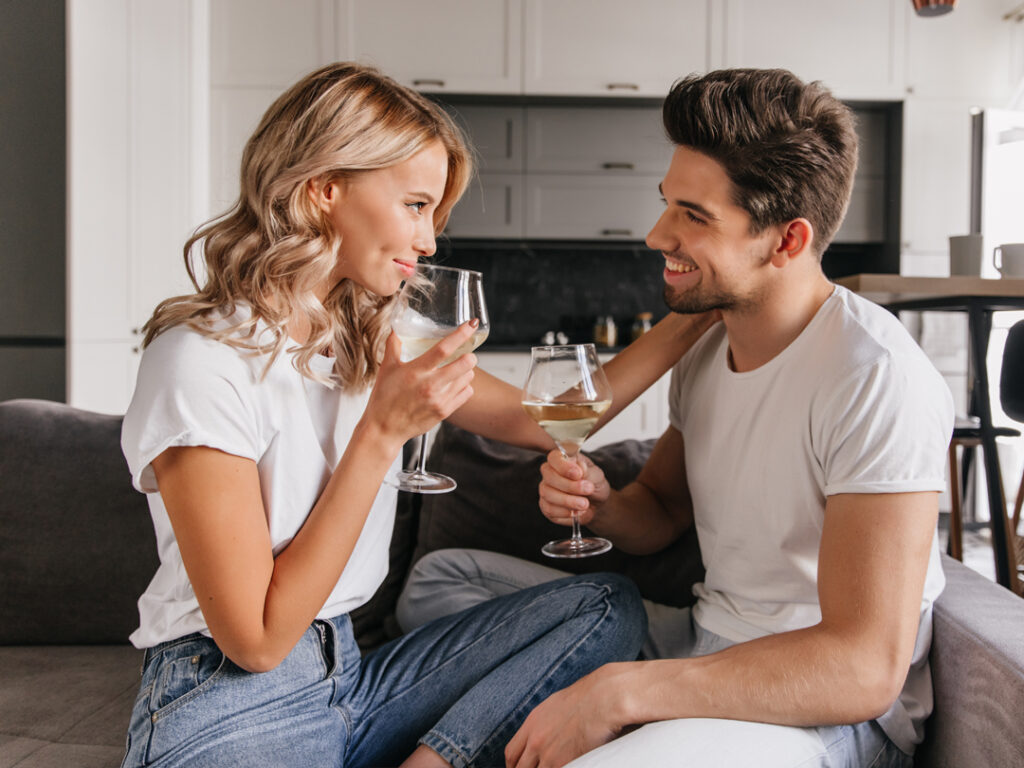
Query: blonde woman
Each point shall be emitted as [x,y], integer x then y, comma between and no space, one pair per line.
[270,407]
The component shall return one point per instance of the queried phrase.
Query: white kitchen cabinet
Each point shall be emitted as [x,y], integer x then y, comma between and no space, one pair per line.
[104,374]
[234,115]
[936,175]
[644,418]
[497,135]
[269,43]
[612,48]
[582,207]
[856,49]
[453,46]
[964,55]
[609,141]
[493,203]
[491,207]
[137,181]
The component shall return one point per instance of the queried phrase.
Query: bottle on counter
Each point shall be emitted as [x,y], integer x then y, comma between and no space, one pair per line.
[605,332]
[641,325]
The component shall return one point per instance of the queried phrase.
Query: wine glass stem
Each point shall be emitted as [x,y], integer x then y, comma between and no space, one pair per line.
[576,535]
[421,462]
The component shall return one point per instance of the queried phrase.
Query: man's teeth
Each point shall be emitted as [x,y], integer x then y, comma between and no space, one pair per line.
[673,267]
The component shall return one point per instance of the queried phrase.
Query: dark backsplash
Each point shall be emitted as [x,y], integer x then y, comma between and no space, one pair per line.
[533,288]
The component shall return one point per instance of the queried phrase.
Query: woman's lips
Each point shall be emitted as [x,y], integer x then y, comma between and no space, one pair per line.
[405,267]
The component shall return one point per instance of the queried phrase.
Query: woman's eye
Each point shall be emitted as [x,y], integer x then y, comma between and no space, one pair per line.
[417,206]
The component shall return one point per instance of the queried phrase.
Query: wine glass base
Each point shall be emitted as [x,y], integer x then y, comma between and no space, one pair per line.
[588,546]
[423,482]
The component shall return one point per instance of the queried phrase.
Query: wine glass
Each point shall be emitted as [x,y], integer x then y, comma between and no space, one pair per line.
[434,301]
[565,393]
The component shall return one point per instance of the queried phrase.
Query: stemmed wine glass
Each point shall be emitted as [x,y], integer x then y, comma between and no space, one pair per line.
[434,301]
[565,393]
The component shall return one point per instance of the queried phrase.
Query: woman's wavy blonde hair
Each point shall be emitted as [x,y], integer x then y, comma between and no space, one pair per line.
[274,247]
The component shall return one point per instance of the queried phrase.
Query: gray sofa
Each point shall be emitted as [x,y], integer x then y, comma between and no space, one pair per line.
[76,550]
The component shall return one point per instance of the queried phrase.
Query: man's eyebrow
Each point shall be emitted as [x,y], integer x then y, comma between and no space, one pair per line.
[692,206]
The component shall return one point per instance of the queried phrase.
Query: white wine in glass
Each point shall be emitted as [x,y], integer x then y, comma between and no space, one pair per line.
[566,392]
[432,304]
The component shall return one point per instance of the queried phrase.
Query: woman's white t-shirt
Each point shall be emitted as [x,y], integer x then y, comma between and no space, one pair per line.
[193,390]
[852,405]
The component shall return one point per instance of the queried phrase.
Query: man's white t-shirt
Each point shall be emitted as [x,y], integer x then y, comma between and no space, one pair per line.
[193,390]
[852,405]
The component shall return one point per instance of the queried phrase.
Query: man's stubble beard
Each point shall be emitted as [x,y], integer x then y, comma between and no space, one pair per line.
[693,303]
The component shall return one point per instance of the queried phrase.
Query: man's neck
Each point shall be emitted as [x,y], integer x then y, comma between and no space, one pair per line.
[757,336]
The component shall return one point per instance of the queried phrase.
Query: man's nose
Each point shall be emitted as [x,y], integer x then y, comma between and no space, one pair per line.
[659,238]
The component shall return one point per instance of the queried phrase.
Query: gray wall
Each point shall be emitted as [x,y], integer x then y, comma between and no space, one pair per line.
[32,198]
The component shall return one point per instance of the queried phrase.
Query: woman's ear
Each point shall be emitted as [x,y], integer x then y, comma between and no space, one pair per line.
[796,238]
[323,194]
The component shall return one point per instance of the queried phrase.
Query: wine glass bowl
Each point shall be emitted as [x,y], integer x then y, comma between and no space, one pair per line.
[434,302]
[566,392]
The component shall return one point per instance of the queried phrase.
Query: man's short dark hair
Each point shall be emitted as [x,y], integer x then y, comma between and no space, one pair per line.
[789,147]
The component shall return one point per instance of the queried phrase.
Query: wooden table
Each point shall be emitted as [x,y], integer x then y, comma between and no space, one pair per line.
[979,298]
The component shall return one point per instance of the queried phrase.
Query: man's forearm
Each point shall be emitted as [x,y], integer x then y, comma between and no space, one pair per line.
[635,521]
[808,677]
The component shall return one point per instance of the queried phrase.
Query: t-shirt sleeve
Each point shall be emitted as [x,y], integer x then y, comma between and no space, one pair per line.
[190,391]
[885,429]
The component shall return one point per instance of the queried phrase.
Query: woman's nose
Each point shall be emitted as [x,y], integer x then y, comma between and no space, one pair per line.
[425,243]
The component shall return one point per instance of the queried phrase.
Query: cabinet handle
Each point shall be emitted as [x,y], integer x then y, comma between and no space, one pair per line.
[508,206]
[618,166]
[623,87]
[429,81]
[624,232]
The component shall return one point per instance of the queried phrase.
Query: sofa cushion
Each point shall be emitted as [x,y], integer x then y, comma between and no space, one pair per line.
[77,547]
[60,699]
[495,508]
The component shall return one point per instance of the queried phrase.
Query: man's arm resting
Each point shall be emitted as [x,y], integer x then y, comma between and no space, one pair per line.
[847,669]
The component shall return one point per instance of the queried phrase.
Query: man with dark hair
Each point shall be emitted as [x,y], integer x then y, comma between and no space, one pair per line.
[807,445]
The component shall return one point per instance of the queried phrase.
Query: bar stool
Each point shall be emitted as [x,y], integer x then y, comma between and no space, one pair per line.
[967,434]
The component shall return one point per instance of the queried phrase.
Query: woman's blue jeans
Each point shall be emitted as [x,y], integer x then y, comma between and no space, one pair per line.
[462,685]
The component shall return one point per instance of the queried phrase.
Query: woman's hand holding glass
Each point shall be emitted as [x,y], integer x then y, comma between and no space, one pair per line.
[410,399]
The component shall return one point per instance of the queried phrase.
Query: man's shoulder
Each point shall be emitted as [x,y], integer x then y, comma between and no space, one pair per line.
[856,332]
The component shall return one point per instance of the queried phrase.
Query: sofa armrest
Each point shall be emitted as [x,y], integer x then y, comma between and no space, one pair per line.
[977,663]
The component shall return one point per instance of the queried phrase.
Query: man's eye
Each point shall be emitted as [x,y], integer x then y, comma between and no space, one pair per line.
[695,219]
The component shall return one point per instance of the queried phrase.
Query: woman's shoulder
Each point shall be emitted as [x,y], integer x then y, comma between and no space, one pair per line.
[186,352]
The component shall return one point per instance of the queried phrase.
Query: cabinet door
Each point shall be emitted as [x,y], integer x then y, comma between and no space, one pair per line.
[101,375]
[495,133]
[936,195]
[491,207]
[856,48]
[261,43]
[608,47]
[234,115]
[591,207]
[617,140]
[455,46]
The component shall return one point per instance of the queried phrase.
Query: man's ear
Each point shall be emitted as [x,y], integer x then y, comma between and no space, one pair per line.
[795,238]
